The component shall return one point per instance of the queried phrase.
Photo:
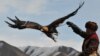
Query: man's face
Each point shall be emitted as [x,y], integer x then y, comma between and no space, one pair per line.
[89,31]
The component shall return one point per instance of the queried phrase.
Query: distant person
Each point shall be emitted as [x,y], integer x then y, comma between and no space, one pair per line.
[91,41]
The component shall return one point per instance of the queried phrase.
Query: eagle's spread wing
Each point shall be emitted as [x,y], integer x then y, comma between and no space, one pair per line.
[19,24]
[61,20]
[23,24]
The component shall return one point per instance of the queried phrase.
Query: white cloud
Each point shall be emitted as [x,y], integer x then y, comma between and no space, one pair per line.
[30,6]
[35,6]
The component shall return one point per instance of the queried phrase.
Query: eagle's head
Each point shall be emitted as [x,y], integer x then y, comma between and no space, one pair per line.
[45,28]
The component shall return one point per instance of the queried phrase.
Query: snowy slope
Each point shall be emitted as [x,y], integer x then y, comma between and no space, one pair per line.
[50,51]
[9,50]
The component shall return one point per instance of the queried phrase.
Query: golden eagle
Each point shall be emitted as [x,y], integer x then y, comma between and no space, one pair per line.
[49,30]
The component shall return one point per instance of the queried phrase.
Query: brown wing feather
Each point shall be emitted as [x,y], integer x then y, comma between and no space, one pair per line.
[23,24]
[33,25]
[61,20]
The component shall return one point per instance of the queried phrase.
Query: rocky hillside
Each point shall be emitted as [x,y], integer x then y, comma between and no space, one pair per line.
[9,50]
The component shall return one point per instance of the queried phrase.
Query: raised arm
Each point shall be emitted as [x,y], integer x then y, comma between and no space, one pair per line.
[76,29]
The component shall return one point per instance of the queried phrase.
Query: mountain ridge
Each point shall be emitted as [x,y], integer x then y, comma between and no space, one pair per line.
[9,50]
[50,51]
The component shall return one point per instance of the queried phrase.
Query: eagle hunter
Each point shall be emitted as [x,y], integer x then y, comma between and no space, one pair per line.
[48,30]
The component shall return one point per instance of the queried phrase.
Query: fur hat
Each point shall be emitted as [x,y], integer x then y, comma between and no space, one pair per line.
[91,25]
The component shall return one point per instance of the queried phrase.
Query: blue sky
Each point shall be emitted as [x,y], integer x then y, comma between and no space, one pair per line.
[44,12]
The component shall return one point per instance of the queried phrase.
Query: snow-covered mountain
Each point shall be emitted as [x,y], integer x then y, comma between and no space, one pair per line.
[9,50]
[50,51]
